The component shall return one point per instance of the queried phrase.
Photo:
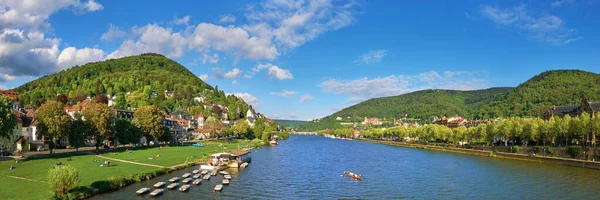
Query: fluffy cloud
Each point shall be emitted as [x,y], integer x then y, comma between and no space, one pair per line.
[364,88]
[279,73]
[371,57]
[285,93]
[232,39]
[204,77]
[71,56]
[152,38]
[227,18]
[545,27]
[292,115]
[183,20]
[248,98]
[260,67]
[293,23]
[234,73]
[306,98]
[114,32]
[212,59]
[31,14]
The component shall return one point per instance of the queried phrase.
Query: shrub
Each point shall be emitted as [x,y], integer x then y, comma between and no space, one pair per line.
[548,150]
[574,151]
[537,149]
[257,143]
[62,178]
[514,149]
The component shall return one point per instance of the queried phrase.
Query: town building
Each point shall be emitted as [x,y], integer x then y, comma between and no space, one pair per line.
[371,121]
[572,110]
[13,95]
[451,122]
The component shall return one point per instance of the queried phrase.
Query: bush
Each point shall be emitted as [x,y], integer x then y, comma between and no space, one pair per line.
[548,150]
[257,143]
[574,151]
[537,149]
[514,149]
[62,178]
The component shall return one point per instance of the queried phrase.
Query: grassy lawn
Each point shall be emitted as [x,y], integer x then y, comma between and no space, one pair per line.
[90,171]
[173,155]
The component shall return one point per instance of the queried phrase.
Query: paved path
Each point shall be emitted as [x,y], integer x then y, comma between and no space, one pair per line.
[127,161]
[21,178]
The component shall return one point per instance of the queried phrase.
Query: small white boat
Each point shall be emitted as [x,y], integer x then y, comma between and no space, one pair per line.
[218,188]
[196,171]
[159,185]
[227,176]
[157,192]
[142,190]
[186,175]
[204,172]
[173,185]
[174,179]
[184,188]
[225,181]
[197,182]
[244,165]
[213,173]
[186,180]
[223,172]
[197,176]
[206,177]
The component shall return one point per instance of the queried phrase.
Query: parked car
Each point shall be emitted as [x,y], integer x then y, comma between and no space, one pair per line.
[41,148]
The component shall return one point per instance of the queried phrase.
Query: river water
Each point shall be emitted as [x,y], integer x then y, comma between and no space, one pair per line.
[310,167]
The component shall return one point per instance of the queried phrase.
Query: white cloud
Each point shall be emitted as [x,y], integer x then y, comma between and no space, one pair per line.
[227,18]
[204,77]
[306,98]
[114,32]
[364,88]
[559,3]
[285,93]
[372,57]
[544,27]
[152,38]
[260,67]
[24,14]
[279,73]
[91,5]
[293,23]
[248,98]
[71,56]
[212,59]
[234,73]
[232,39]
[183,20]
[292,115]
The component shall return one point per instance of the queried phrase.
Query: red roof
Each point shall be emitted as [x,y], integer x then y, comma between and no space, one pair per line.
[10,94]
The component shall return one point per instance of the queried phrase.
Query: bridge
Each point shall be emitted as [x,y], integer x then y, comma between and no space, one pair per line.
[304,133]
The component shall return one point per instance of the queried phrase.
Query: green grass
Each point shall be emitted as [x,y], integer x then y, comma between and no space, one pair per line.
[90,171]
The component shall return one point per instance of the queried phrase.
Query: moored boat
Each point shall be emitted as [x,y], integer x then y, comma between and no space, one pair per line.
[223,172]
[197,182]
[353,175]
[173,185]
[213,173]
[206,177]
[160,184]
[186,175]
[157,192]
[218,188]
[244,165]
[204,172]
[197,176]
[227,176]
[186,180]
[225,181]
[184,188]
[196,171]
[174,179]
[142,190]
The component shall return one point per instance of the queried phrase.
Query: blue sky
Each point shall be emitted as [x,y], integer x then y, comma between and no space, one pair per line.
[308,59]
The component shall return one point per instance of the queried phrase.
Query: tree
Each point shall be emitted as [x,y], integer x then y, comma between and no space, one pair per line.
[259,127]
[62,97]
[102,99]
[100,117]
[53,119]
[62,178]
[150,121]
[78,132]
[120,101]
[166,136]
[215,127]
[8,120]
[241,127]
[595,124]
[126,132]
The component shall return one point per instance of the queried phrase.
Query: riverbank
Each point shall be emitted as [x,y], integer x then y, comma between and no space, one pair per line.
[504,155]
[126,167]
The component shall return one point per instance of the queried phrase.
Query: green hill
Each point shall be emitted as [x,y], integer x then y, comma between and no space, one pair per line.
[531,98]
[133,81]
[289,123]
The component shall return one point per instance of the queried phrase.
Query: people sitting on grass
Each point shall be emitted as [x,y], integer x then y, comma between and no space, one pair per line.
[58,163]
[11,167]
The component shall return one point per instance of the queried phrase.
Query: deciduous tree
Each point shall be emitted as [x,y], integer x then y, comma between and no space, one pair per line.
[150,121]
[100,117]
[53,119]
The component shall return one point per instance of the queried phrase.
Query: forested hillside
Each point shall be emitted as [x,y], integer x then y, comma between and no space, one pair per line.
[529,99]
[135,81]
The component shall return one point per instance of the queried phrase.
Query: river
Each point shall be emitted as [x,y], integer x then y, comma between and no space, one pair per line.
[310,167]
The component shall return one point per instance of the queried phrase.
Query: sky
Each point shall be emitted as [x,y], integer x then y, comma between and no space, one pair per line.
[307,59]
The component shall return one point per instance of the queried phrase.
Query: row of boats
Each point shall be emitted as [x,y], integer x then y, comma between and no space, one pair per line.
[193,177]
